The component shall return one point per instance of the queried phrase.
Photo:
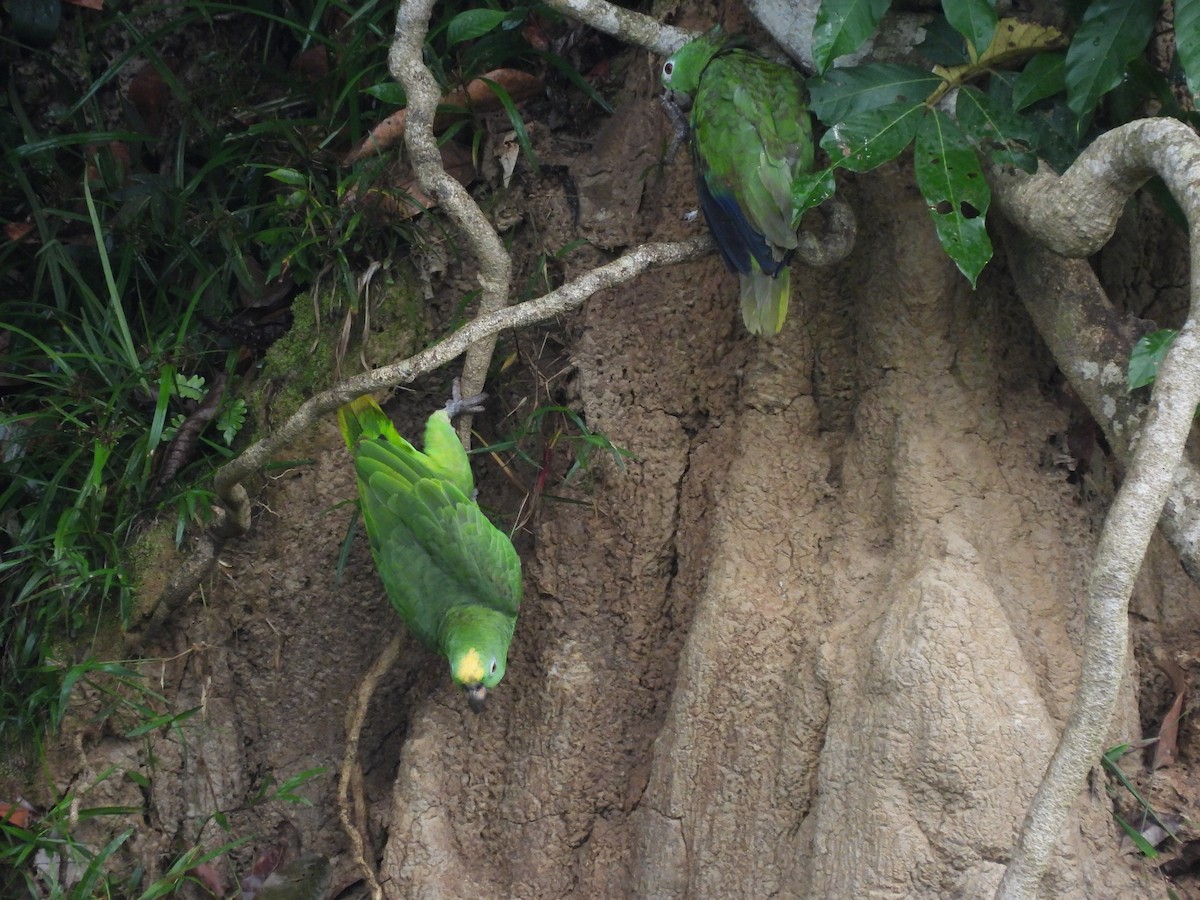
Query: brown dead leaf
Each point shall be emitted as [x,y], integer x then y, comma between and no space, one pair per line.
[18,814]
[403,198]
[312,64]
[477,97]
[20,231]
[183,446]
[1167,748]
[149,94]
[97,5]
[211,878]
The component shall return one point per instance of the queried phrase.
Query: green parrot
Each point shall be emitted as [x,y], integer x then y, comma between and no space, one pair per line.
[453,577]
[751,137]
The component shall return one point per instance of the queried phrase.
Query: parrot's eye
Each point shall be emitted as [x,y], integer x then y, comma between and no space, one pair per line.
[493,671]
[668,68]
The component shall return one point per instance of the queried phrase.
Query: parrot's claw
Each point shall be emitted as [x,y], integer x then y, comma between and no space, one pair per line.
[691,217]
[457,405]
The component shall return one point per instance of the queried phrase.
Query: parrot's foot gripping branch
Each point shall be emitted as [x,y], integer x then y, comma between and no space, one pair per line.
[458,405]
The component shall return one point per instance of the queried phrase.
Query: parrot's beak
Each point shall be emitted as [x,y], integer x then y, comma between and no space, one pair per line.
[476,696]
[680,100]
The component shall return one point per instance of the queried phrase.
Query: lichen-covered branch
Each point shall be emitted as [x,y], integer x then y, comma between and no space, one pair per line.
[423,94]
[1044,206]
[631,27]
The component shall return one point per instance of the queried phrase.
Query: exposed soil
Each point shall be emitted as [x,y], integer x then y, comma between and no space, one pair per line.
[816,641]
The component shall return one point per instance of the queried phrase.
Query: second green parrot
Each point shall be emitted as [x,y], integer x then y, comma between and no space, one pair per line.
[751,137]
[453,577]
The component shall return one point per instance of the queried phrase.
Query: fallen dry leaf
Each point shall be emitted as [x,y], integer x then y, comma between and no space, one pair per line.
[403,198]
[1167,748]
[477,97]
[18,814]
[20,231]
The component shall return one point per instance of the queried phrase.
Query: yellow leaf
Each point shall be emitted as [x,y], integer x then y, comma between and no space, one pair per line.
[1014,41]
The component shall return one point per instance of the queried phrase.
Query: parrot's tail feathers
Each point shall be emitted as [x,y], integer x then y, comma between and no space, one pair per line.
[765,300]
[362,418]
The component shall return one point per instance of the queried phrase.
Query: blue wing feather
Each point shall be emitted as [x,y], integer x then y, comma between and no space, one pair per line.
[736,239]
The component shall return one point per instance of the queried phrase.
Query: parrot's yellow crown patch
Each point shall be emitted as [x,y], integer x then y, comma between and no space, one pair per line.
[469,668]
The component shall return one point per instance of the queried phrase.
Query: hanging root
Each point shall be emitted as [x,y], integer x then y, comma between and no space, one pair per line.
[354,817]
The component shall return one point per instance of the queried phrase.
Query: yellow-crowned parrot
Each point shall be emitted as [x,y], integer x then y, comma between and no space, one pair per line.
[453,577]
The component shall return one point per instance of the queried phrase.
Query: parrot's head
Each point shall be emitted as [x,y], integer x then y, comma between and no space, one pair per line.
[478,669]
[683,68]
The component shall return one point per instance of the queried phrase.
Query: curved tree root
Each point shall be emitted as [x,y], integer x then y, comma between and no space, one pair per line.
[1075,214]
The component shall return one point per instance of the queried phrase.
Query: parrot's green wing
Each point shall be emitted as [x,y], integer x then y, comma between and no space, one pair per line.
[751,137]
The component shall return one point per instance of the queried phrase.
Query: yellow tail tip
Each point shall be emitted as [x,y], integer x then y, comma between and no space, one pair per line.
[765,301]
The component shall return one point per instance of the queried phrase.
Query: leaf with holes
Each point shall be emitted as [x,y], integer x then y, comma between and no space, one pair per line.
[869,139]
[952,182]
[842,26]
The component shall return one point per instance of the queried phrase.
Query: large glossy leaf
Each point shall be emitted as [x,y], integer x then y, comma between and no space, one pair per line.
[1111,34]
[952,183]
[871,138]
[1187,41]
[1043,77]
[973,19]
[842,26]
[1006,137]
[844,92]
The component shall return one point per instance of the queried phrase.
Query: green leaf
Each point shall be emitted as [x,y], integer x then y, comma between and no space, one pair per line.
[231,420]
[289,177]
[973,19]
[1111,34]
[854,89]
[1044,76]
[189,387]
[809,190]
[942,45]
[871,138]
[952,183]
[1007,137]
[1144,846]
[842,26]
[389,92]
[1187,42]
[1147,355]
[472,24]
